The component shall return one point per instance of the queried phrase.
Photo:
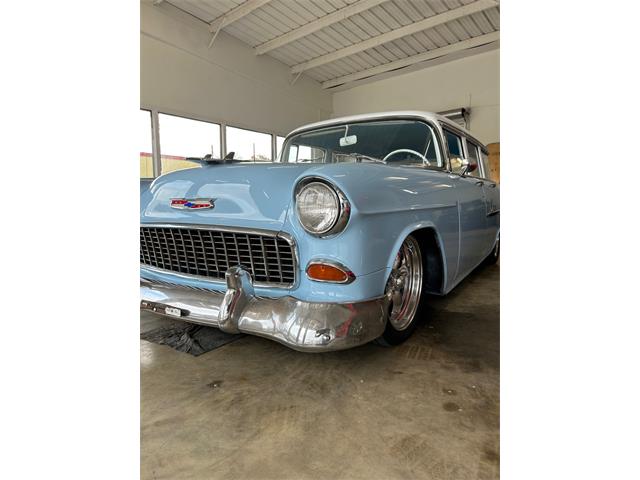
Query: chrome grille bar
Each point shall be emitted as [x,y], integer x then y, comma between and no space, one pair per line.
[210,252]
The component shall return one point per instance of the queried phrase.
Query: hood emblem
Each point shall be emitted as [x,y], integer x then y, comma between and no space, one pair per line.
[192,203]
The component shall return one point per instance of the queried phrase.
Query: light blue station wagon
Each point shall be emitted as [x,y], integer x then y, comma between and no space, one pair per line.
[332,246]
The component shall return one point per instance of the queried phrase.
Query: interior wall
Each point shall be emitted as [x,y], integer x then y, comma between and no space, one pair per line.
[468,82]
[227,83]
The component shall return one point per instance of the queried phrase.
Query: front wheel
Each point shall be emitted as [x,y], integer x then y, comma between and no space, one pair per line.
[404,291]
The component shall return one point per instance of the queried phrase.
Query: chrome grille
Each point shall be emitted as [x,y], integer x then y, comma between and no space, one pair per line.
[210,253]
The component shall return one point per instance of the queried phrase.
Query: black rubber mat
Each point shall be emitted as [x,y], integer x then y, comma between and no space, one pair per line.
[189,338]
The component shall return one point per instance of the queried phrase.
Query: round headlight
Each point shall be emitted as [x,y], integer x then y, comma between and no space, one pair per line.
[318,207]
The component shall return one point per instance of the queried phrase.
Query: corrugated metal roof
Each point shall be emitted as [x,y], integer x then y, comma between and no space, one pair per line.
[279,17]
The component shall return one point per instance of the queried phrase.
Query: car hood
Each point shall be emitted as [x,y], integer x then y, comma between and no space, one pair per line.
[246,195]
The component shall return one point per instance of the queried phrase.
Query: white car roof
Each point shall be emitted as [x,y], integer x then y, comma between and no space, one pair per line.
[382,115]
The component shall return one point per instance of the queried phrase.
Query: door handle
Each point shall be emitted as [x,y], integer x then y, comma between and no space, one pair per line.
[479,183]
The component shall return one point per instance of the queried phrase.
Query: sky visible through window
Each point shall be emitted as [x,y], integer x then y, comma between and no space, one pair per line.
[249,145]
[145,131]
[146,160]
[183,137]
[279,143]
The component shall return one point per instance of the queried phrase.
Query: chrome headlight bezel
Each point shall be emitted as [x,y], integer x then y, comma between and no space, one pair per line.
[343,205]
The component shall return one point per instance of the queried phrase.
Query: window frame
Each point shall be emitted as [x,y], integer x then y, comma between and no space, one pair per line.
[439,148]
[196,119]
[155,133]
[480,168]
[460,137]
[485,165]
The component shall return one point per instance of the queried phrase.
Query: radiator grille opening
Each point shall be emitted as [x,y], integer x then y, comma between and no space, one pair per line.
[210,253]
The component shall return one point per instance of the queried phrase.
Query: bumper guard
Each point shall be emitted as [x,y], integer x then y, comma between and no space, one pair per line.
[301,325]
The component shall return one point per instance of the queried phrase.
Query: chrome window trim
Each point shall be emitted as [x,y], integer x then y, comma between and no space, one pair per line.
[343,203]
[430,123]
[324,261]
[223,228]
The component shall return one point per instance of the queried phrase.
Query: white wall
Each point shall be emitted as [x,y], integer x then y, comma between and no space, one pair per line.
[227,83]
[468,82]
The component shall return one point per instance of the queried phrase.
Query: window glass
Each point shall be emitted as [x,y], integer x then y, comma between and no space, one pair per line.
[454,144]
[249,145]
[146,158]
[305,154]
[485,165]
[398,142]
[473,158]
[183,137]
[279,144]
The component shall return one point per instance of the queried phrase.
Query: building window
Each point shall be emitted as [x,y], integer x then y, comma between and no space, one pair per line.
[146,157]
[249,145]
[279,144]
[183,137]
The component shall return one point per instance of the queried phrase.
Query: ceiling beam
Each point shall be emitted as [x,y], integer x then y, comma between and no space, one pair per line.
[236,14]
[410,29]
[316,25]
[422,57]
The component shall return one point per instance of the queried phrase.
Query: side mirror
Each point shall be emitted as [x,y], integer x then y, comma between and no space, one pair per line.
[468,167]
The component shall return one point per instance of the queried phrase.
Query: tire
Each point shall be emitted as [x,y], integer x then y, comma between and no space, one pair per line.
[493,257]
[405,290]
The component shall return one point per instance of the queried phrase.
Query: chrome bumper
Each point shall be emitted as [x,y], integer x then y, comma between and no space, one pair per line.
[304,326]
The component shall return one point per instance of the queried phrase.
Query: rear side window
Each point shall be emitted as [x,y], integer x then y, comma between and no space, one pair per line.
[473,158]
[485,165]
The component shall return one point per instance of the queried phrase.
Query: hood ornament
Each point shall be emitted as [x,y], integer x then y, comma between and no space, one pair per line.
[192,203]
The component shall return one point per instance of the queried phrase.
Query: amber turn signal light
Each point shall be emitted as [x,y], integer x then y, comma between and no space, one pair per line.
[324,272]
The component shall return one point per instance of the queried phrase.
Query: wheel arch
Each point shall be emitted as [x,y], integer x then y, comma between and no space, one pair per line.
[433,255]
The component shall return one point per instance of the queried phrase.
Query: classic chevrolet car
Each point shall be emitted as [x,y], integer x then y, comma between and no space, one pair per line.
[335,244]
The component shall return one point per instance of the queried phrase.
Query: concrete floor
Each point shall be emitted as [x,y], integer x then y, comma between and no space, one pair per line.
[254,409]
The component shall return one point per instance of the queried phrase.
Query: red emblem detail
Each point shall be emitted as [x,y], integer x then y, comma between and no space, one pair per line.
[192,203]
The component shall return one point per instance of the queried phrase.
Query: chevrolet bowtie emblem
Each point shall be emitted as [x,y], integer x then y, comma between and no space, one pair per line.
[192,203]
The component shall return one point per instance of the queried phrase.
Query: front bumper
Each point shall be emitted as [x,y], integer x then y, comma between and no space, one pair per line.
[301,325]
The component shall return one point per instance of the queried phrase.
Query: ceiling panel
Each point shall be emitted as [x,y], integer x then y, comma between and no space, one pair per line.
[278,17]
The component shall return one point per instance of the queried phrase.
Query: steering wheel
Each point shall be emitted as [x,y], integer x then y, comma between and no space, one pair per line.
[406,150]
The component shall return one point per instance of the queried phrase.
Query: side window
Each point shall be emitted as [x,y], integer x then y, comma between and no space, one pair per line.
[305,154]
[473,158]
[454,144]
[279,145]
[293,154]
[485,165]
[146,158]
[182,137]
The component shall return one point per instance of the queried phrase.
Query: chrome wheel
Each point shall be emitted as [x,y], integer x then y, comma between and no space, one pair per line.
[404,286]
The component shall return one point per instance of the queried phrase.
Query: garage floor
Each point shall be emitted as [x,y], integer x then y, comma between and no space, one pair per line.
[254,409]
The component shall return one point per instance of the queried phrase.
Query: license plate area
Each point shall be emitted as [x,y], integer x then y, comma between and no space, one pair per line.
[163,309]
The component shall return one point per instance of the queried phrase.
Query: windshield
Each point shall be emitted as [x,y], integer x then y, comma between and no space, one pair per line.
[397,142]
